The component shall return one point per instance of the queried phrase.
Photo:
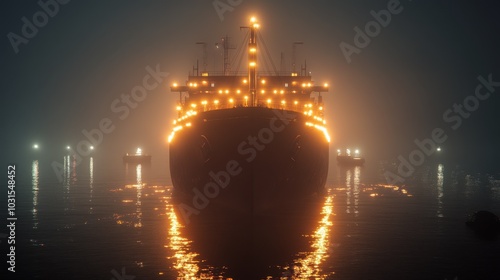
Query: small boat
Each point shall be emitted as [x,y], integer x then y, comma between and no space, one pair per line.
[137,158]
[484,223]
[347,159]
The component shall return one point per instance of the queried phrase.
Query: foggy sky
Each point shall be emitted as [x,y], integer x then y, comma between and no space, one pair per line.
[395,90]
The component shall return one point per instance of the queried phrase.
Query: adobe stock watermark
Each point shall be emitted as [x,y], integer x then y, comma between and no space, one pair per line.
[363,38]
[248,148]
[223,6]
[49,9]
[122,276]
[121,107]
[454,118]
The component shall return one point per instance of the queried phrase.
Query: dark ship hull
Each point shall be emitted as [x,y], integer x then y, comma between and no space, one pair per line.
[245,162]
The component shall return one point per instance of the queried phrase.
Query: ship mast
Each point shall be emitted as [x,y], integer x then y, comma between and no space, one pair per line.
[252,61]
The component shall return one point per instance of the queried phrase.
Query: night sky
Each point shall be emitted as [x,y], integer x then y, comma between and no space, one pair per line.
[395,89]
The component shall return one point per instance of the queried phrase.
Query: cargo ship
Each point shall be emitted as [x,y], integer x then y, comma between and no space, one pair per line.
[349,159]
[137,158]
[246,143]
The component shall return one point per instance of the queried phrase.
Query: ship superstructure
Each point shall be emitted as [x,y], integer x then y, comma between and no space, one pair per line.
[243,140]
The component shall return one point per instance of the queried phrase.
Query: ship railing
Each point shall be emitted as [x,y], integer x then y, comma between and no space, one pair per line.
[244,73]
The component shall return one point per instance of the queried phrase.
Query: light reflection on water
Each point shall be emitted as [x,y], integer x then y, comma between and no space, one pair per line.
[183,259]
[35,189]
[308,265]
[129,204]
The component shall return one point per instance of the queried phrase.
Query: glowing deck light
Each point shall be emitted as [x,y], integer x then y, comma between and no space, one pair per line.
[35,146]
[253,19]
[295,102]
[438,149]
[231,100]
[227,91]
[308,84]
[204,102]
[252,64]
[204,82]
[220,91]
[262,91]
[325,85]
[275,91]
[282,91]
[263,82]
[174,84]
[238,91]
[91,147]
[283,102]
[252,50]
[178,108]
[216,101]
[245,81]
[269,101]
[193,105]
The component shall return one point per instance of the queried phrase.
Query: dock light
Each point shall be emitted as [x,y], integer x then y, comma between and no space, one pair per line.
[35,146]
[174,84]
[245,81]
[92,147]
[178,108]
[227,91]
[204,102]
[438,149]
[238,91]
[282,91]
[252,64]
[263,82]
[269,101]
[295,102]
[325,85]
[216,101]
[262,91]
[231,100]
[220,91]
[283,102]
[68,147]
[275,91]
[253,19]
[252,50]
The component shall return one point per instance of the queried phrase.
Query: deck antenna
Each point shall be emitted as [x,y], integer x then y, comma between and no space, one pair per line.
[282,64]
[204,46]
[226,46]
[294,47]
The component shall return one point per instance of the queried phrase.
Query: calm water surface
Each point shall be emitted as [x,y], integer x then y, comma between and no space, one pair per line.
[116,221]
